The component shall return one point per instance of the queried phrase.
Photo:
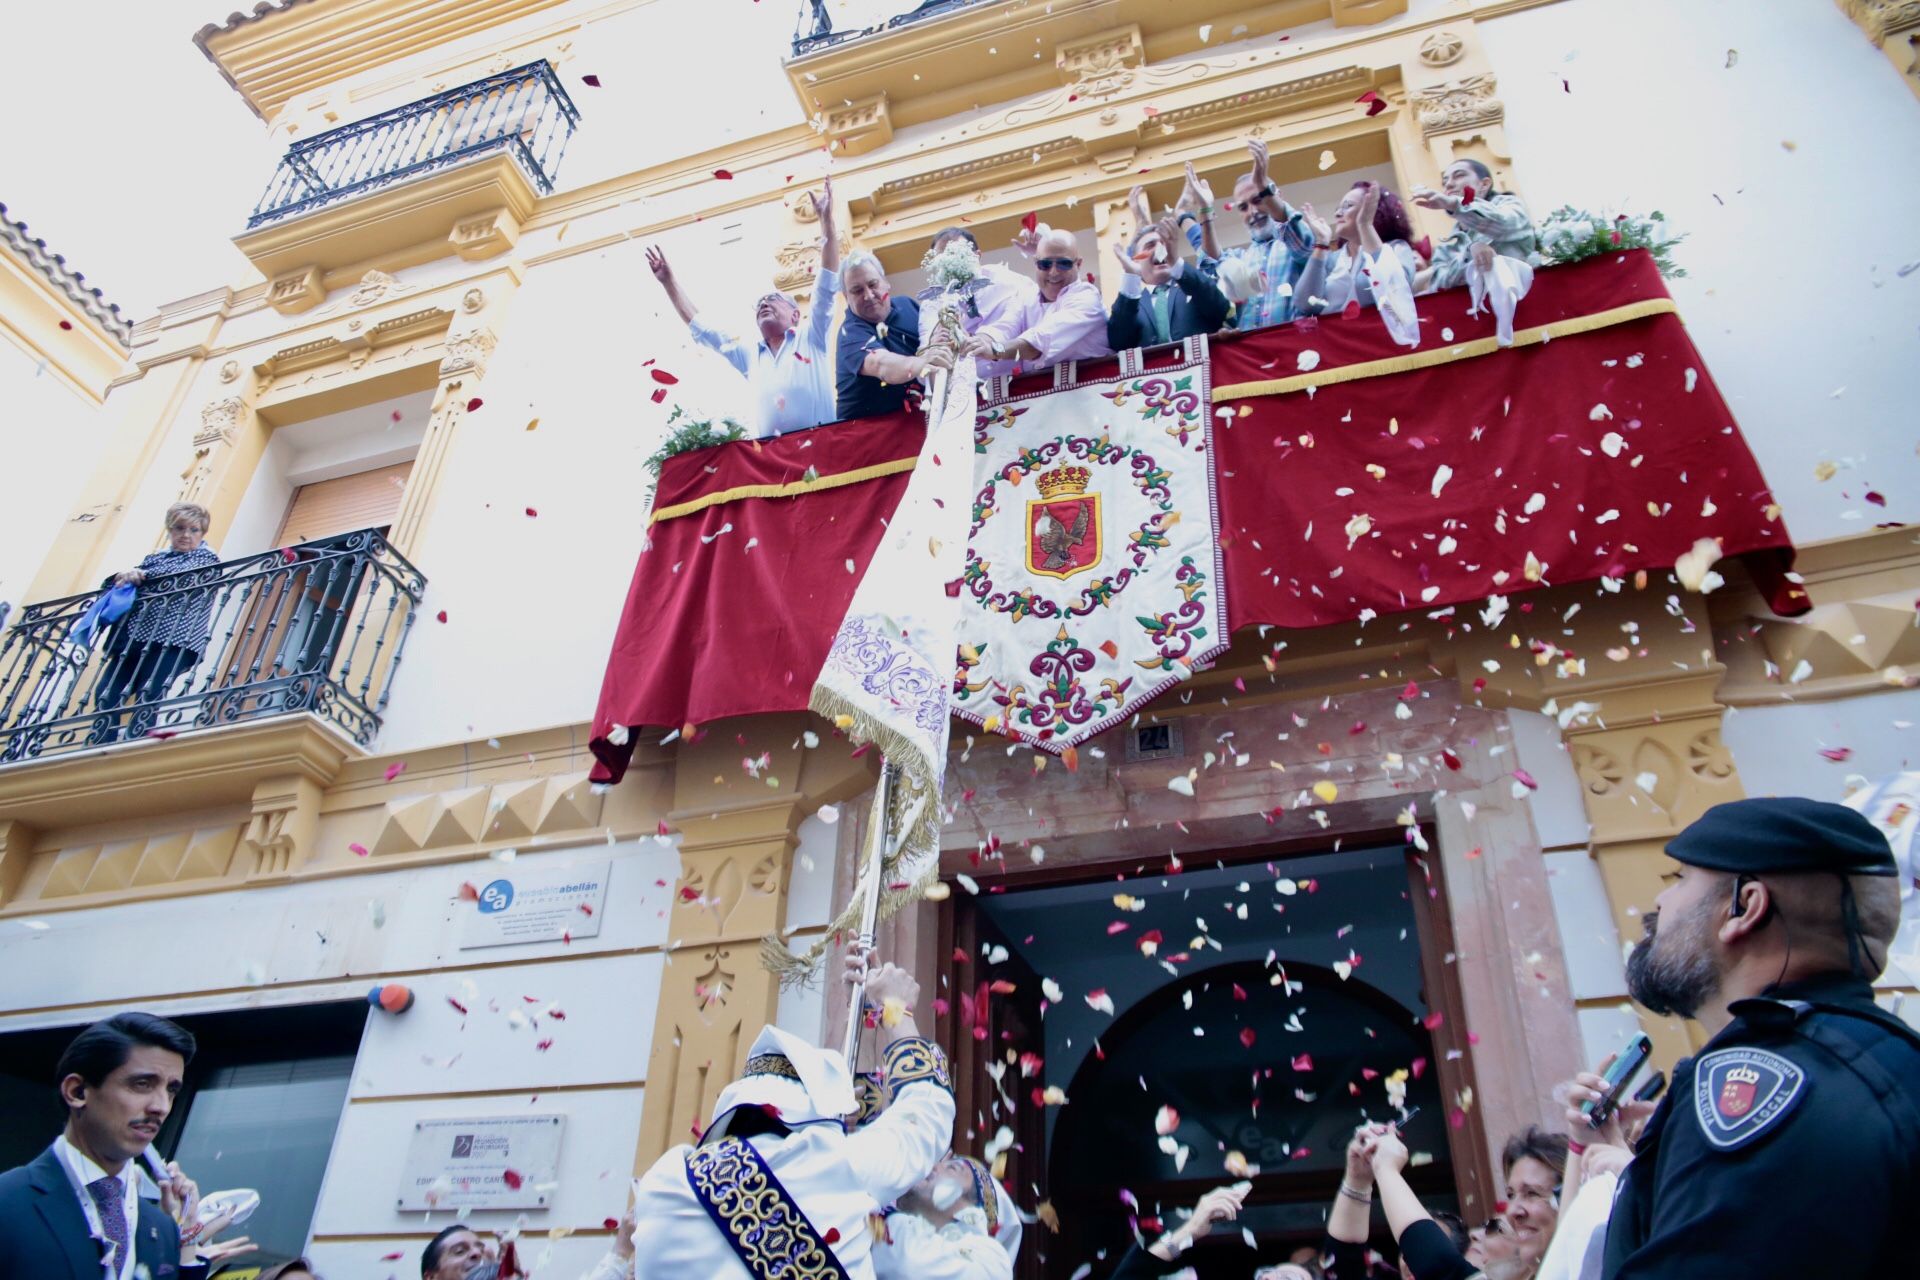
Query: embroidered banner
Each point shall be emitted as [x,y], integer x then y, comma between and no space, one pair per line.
[1093,578]
[763,1226]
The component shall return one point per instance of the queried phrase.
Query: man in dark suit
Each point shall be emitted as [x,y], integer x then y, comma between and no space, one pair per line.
[75,1212]
[1163,298]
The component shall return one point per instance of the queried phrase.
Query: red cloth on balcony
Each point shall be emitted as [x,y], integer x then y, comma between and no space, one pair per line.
[714,628]
[1510,425]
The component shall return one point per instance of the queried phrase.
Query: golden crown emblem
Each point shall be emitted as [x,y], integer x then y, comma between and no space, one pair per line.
[1064,482]
[1743,1075]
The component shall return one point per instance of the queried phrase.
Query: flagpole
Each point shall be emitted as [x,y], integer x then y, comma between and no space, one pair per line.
[870,908]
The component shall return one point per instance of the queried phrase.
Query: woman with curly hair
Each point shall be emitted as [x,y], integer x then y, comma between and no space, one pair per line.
[1365,257]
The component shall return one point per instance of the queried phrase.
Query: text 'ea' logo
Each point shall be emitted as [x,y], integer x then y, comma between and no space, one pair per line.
[496,897]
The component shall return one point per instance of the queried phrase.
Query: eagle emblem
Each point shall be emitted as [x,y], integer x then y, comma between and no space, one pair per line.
[1063,524]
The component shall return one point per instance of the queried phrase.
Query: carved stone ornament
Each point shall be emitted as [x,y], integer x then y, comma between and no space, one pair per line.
[800,205]
[1466,103]
[468,352]
[229,371]
[472,300]
[795,265]
[1883,18]
[1102,66]
[1442,48]
[218,422]
[374,286]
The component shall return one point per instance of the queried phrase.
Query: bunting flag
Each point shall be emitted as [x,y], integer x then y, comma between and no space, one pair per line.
[1093,573]
[889,671]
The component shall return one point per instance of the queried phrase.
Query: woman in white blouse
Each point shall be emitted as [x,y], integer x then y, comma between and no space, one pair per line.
[1363,257]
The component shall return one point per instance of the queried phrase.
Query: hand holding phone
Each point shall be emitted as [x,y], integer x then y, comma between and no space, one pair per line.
[1619,1073]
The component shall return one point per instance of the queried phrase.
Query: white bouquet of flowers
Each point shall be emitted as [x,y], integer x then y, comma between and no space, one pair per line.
[956,264]
[1570,235]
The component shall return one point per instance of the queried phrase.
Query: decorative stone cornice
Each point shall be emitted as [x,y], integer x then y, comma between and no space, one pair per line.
[1894,25]
[1883,18]
[1454,105]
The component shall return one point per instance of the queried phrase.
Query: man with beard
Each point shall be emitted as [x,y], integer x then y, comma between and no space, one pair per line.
[1278,254]
[1787,1146]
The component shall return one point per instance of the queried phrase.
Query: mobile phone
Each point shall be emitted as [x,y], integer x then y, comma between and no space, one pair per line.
[1655,1086]
[1626,1065]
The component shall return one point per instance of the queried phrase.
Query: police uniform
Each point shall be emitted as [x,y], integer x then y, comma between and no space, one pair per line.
[777,1187]
[1790,1145]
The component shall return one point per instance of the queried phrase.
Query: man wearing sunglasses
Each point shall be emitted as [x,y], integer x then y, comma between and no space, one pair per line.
[789,372]
[1064,320]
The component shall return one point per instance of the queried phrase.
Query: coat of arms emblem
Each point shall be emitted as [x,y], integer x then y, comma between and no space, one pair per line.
[1063,524]
[1737,1092]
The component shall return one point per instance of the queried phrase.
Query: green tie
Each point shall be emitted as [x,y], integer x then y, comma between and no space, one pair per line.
[1160,304]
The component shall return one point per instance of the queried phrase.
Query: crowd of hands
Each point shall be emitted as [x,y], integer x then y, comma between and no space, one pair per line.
[1376,1153]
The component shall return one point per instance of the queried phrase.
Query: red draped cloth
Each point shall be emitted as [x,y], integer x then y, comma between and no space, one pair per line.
[756,547]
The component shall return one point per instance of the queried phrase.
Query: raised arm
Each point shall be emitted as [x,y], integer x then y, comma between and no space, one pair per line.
[826,284]
[901,1145]
[663,272]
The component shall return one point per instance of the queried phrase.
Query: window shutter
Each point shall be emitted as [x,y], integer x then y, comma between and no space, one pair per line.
[367,500]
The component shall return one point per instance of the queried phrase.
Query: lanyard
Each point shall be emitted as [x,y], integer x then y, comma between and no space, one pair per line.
[112,1267]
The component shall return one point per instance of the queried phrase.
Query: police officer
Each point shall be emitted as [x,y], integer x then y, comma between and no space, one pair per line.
[1790,1145]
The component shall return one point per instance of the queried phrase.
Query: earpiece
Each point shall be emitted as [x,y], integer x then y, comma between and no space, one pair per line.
[1738,908]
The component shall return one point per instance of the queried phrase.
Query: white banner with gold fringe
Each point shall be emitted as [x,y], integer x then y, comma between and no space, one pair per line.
[1093,578]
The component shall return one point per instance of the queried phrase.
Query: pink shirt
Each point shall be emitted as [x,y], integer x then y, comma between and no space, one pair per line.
[1071,327]
[1000,304]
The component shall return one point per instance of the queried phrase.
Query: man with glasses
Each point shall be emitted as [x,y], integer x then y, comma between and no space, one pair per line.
[789,372]
[1063,320]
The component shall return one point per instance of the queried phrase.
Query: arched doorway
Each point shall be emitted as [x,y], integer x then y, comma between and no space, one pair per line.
[1273,997]
[1330,1053]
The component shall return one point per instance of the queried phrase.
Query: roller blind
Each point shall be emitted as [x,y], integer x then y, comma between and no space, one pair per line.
[366,500]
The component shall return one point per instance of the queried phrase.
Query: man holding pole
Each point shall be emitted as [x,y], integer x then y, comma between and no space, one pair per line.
[776,1185]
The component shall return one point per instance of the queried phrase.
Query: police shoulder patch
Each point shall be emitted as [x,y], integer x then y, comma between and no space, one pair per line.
[1741,1093]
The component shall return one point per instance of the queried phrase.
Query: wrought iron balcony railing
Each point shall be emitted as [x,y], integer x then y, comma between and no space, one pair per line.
[524,112]
[317,627]
[816,32]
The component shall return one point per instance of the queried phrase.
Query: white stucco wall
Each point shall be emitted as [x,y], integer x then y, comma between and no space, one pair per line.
[333,940]
[1804,324]
[53,435]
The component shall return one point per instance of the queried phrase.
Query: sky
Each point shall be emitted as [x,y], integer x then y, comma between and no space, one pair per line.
[145,163]
[129,154]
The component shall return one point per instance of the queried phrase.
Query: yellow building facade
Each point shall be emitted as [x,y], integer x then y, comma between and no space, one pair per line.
[451,328]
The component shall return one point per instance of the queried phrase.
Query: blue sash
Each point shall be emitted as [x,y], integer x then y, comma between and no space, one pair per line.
[761,1223]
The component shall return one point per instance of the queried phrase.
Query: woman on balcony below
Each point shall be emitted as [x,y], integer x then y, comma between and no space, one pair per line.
[164,635]
[1486,224]
[1362,258]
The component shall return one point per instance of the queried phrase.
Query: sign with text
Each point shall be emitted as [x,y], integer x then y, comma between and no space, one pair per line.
[493,1162]
[537,906]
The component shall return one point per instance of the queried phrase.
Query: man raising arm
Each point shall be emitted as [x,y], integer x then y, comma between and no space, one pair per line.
[788,371]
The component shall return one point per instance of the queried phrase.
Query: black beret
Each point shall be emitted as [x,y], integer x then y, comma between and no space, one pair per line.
[1784,834]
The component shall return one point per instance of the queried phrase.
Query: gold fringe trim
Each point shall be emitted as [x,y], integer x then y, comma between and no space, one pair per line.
[792,489]
[908,789]
[1413,360]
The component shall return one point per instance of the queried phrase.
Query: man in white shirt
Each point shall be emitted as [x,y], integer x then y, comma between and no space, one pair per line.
[790,370]
[1064,319]
[76,1209]
[777,1178]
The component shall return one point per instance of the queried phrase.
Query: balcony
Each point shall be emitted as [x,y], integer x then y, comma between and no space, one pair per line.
[821,34]
[947,58]
[454,173]
[317,628]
